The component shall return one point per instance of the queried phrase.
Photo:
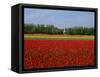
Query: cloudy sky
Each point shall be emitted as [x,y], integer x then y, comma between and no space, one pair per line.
[59,18]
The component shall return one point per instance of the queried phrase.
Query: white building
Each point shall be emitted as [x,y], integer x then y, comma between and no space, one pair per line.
[64,31]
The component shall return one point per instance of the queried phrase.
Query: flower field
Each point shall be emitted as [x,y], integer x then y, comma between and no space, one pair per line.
[67,52]
[57,37]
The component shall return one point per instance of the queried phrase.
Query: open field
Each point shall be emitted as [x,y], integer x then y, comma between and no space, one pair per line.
[50,51]
[58,53]
[57,37]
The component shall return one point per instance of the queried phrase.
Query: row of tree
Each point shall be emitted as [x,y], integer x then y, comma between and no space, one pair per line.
[52,30]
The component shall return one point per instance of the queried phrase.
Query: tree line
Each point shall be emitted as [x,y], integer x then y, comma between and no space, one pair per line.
[52,30]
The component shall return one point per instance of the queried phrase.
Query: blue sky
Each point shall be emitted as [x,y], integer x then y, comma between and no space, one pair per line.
[59,18]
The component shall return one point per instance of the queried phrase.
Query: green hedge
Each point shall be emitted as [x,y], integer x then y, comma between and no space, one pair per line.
[52,30]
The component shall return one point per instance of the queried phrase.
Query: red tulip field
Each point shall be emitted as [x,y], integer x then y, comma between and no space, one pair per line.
[58,53]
